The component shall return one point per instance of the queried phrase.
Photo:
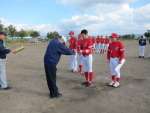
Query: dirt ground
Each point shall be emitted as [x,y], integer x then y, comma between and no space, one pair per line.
[30,94]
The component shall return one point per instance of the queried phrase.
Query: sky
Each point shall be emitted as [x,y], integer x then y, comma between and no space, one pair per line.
[99,17]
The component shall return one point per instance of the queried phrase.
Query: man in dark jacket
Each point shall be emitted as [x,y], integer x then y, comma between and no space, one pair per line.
[52,56]
[3,52]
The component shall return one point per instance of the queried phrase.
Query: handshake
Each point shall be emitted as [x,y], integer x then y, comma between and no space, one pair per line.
[79,52]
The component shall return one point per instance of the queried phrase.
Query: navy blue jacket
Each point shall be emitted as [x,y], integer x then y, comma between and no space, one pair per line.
[54,51]
[3,50]
[142,42]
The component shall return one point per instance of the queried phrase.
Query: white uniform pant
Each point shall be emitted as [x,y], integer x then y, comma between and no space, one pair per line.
[93,45]
[3,81]
[106,46]
[87,63]
[97,47]
[141,50]
[113,64]
[80,59]
[101,46]
[73,62]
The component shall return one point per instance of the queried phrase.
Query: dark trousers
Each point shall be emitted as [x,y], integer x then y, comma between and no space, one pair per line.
[50,72]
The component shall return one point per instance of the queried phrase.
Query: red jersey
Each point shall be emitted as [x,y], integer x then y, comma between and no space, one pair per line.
[98,40]
[87,45]
[73,43]
[79,45]
[116,49]
[93,40]
[102,40]
[106,41]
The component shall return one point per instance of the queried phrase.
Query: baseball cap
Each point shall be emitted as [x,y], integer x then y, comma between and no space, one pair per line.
[106,36]
[114,35]
[64,38]
[79,34]
[98,36]
[71,32]
[2,33]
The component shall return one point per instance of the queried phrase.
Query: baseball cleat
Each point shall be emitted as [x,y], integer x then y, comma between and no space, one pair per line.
[142,56]
[139,56]
[116,84]
[70,70]
[74,71]
[111,83]
[84,83]
[88,85]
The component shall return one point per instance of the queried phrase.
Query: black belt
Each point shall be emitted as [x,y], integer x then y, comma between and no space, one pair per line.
[85,55]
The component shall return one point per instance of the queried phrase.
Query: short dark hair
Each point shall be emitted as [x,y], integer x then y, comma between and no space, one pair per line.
[84,31]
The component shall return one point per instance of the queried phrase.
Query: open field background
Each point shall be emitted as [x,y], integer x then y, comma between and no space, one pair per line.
[25,73]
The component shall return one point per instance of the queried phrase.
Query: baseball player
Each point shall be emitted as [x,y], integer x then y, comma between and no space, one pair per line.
[102,45]
[142,44]
[73,46]
[115,56]
[80,55]
[93,40]
[98,44]
[106,44]
[87,58]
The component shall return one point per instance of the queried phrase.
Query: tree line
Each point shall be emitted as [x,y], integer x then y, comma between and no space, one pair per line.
[11,31]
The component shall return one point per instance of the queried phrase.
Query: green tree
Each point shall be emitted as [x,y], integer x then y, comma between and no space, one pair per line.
[21,34]
[52,35]
[147,34]
[128,36]
[12,31]
[28,32]
[35,34]
[1,26]
[6,30]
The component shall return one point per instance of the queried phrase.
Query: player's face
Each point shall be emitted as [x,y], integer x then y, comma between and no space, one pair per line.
[71,35]
[2,37]
[81,38]
[113,39]
[85,36]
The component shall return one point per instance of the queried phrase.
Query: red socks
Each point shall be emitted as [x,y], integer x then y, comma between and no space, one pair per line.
[80,68]
[118,79]
[86,76]
[113,78]
[91,76]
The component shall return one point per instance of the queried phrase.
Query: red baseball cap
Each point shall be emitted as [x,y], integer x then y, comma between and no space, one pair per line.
[106,36]
[114,35]
[71,32]
[79,34]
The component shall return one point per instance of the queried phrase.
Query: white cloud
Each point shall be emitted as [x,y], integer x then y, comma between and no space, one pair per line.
[121,19]
[87,5]
[42,28]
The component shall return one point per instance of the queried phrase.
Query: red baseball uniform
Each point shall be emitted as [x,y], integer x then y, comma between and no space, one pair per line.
[93,40]
[102,40]
[106,41]
[116,49]
[73,43]
[98,40]
[87,45]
